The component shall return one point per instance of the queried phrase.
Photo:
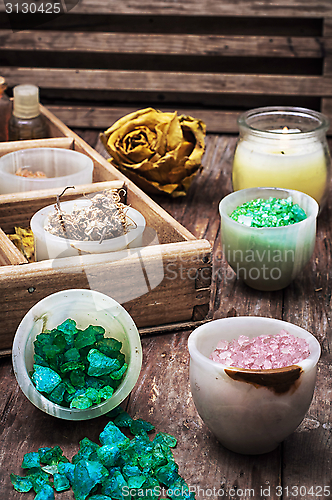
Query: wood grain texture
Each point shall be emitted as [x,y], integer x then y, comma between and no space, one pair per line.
[102,117]
[160,81]
[57,142]
[169,44]
[297,8]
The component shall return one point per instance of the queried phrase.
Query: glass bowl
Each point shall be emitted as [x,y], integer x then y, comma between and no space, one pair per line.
[86,307]
[250,411]
[63,167]
[267,258]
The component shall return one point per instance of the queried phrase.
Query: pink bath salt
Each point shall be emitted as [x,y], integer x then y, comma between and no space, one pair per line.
[264,352]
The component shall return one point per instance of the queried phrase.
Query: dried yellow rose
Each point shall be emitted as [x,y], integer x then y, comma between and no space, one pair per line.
[160,152]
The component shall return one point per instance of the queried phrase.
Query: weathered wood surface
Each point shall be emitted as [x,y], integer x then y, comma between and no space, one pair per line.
[302,8]
[162,81]
[162,393]
[102,117]
[103,59]
[170,44]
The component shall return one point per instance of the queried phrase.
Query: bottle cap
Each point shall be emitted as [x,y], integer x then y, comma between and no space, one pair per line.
[26,101]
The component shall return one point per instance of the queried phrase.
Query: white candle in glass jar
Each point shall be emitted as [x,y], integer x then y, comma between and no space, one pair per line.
[285,164]
[283,147]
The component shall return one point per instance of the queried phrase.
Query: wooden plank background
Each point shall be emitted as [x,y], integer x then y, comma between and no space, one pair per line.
[212,60]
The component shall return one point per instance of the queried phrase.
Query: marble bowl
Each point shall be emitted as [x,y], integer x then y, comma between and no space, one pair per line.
[250,411]
[63,167]
[267,258]
[86,307]
[50,246]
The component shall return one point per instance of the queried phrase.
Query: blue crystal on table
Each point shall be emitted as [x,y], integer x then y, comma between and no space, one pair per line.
[167,474]
[86,475]
[139,426]
[167,439]
[39,478]
[112,435]
[102,472]
[108,454]
[21,484]
[67,469]
[87,448]
[45,493]
[114,486]
[61,482]
[31,460]
[123,419]
[51,456]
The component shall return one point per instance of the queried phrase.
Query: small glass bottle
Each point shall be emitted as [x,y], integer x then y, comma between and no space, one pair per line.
[283,147]
[5,111]
[26,121]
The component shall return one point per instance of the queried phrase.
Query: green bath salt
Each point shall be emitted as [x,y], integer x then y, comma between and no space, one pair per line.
[272,212]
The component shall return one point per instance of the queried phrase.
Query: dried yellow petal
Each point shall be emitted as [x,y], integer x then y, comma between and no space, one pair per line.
[23,240]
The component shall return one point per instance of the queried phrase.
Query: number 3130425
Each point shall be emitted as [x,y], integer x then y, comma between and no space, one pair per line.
[33,8]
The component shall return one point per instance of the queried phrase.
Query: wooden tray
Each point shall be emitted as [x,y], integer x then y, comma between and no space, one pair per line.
[165,282]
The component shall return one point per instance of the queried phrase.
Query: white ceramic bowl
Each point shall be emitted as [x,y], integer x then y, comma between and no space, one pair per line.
[63,167]
[250,411]
[86,307]
[267,258]
[50,246]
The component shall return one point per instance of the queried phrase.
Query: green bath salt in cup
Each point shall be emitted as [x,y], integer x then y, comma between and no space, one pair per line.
[268,235]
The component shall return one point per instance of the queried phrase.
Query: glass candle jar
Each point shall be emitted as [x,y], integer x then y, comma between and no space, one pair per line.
[283,147]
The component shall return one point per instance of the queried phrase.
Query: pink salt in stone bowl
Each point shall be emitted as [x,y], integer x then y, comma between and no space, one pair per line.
[250,411]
